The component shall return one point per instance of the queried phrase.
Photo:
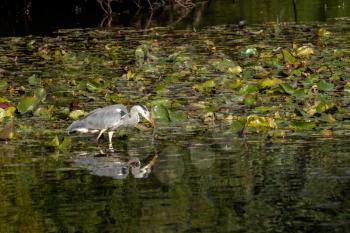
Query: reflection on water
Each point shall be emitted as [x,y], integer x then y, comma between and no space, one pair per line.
[108,164]
[202,182]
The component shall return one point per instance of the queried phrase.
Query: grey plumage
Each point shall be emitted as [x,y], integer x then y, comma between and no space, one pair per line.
[100,118]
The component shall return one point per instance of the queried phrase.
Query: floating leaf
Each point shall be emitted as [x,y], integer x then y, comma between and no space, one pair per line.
[204,86]
[325,86]
[177,116]
[288,57]
[302,125]
[236,83]
[66,143]
[55,142]
[347,87]
[33,79]
[247,89]
[260,122]
[234,70]
[304,51]
[249,51]
[2,114]
[250,100]
[28,103]
[3,84]
[287,88]
[269,83]
[8,132]
[140,55]
[224,65]
[237,125]
[40,93]
[160,112]
[323,32]
[76,114]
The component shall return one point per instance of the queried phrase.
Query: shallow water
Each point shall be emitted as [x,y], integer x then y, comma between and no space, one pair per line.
[187,176]
[209,183]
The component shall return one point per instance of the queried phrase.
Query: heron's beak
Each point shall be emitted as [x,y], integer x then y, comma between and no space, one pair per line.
[151,120]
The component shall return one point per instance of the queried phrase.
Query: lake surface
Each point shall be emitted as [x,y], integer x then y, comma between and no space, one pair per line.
[194,172]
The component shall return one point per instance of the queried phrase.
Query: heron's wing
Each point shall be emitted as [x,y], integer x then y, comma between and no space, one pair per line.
[101,118]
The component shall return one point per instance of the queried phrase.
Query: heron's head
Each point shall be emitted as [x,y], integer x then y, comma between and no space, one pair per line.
[142,109]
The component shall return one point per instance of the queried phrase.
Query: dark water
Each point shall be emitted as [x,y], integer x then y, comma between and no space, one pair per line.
[210,182]
[46,17]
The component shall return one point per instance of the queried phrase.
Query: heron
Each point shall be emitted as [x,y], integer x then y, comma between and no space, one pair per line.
[109,119]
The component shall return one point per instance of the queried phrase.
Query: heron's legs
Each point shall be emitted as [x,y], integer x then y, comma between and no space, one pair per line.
[110,135]
[99,135]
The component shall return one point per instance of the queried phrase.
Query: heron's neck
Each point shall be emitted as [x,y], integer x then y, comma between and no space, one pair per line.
[134,117]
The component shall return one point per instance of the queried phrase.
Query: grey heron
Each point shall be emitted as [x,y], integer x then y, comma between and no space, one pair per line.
[109,119]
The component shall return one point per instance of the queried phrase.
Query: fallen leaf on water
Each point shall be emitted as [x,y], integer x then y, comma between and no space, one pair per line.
[8,132]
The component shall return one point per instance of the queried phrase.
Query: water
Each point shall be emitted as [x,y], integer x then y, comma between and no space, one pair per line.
[208,183]
[46,18]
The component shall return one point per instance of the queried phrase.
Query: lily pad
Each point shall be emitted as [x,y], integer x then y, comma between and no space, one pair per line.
[269,83]
[76,114]
[204,86]
[299,125]
[325,86]
[160,112]
[247,89]
[28,103]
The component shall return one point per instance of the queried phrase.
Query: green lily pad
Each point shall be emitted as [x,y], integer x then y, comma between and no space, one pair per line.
[160,112]
[204,86]
[304,51]
[287,88]
[140,55]
[247,89]
[3,84]
[236,83]
[34,79]
[347,87]
[288,57]
[40,93]
[302,125]
[55,142]
[66,143]
[269,83]
[250,100]
[28,103]
[325,86]
[249,51]
[177,116]
[76,114]
[260,122]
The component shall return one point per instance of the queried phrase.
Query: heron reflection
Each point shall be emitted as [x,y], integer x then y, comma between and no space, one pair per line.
[117,167]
